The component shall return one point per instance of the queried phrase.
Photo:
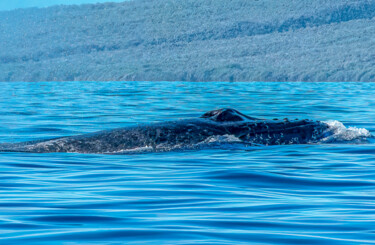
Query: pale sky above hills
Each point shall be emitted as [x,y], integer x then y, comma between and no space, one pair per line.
[14,4]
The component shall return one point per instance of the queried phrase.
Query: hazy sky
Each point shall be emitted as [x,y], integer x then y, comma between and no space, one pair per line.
[13,4]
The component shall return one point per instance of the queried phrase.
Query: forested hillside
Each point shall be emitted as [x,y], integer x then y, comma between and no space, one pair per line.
[191,40]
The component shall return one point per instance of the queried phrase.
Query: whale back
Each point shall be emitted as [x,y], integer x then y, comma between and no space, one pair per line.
[226,115]
[213,125]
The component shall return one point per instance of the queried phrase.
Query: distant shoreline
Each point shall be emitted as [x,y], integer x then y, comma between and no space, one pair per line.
[191,40]
[180,82]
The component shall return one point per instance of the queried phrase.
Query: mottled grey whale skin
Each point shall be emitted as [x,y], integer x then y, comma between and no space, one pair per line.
[188,132]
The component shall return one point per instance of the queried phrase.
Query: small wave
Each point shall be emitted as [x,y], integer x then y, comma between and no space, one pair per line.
[338,133]
[137,150]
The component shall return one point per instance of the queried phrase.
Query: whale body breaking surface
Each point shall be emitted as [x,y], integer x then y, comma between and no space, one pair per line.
[188,133]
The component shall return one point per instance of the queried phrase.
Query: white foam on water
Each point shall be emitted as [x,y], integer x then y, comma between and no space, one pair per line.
[222,142]
[213,142]
[221,139]
[136,150]
[337,132]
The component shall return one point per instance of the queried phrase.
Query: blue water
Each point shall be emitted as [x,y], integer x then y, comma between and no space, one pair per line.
[306,194]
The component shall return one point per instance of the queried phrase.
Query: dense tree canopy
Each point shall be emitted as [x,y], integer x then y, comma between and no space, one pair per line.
[194,40]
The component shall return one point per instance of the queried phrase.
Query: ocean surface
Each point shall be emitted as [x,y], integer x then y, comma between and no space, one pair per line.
[293,194]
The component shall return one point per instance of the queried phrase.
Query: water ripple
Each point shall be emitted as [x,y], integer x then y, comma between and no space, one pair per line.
[300,194]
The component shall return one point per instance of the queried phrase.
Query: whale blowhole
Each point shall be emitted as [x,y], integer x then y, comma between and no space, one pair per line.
[226,115]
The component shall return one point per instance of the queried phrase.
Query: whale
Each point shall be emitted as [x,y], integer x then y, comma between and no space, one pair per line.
[183,132]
